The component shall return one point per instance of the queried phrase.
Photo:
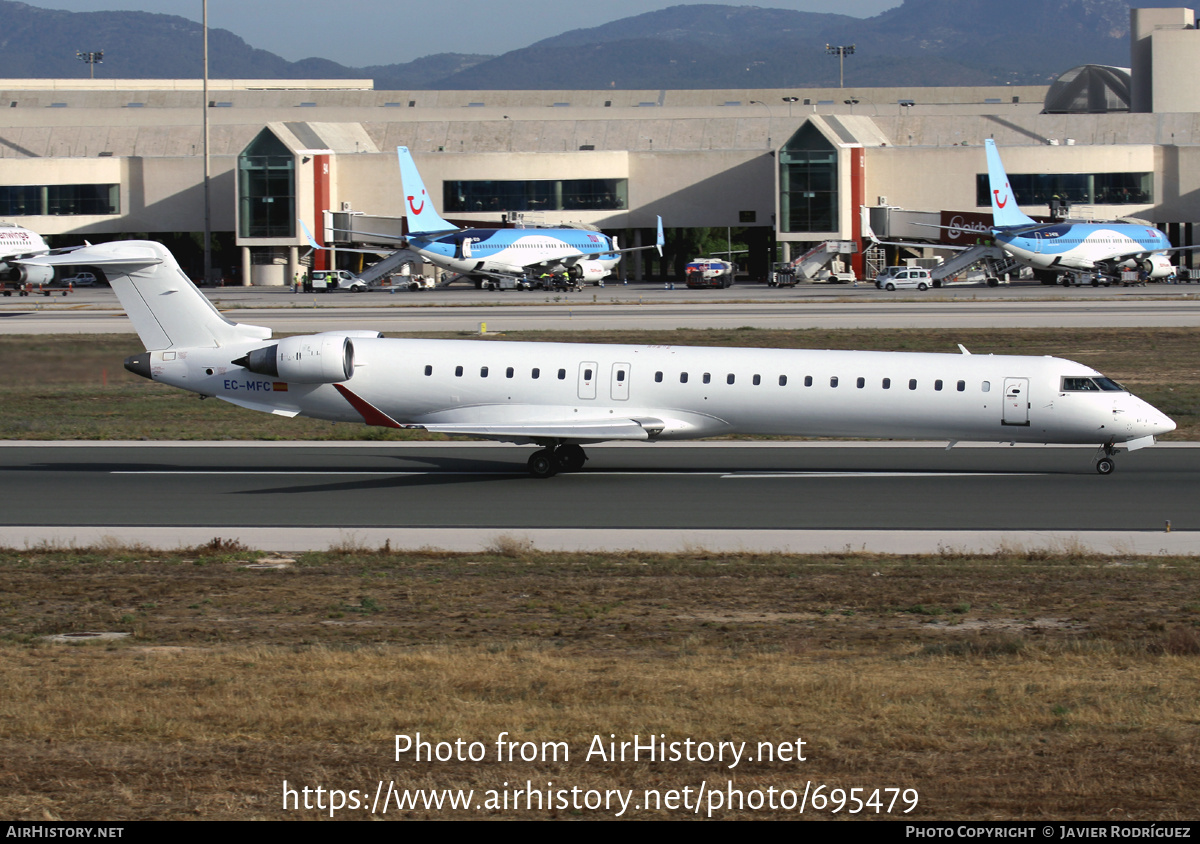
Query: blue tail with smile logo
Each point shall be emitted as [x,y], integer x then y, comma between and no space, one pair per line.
[1005,214]
[418,205]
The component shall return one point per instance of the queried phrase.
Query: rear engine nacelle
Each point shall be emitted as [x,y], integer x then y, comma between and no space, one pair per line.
[312,359]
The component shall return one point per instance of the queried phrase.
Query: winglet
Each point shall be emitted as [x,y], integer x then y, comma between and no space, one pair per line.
[422,219]
[1005,213]
[661,240]
[312,241]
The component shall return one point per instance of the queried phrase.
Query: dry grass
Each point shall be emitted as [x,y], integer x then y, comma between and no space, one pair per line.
[1017,685]
[94,398]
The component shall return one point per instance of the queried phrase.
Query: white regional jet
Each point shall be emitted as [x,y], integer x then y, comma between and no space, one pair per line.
[561,396]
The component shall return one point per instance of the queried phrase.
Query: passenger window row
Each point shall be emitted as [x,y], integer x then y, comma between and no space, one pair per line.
[860,383]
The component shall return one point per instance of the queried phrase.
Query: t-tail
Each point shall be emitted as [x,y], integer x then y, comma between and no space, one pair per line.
[1005,214]
[422,219]
[167,310]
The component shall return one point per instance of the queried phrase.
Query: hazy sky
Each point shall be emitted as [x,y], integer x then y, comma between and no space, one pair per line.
[358,33]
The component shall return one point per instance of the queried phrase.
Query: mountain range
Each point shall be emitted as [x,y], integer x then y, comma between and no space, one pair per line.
[919,43]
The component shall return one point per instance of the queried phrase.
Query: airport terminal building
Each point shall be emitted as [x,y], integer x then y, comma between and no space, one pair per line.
[789,167]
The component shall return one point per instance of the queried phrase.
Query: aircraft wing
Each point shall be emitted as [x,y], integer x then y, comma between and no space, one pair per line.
[659,241]
[583,429]
[605,428]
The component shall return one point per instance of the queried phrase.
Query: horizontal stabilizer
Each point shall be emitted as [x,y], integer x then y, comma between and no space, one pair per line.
[166,309]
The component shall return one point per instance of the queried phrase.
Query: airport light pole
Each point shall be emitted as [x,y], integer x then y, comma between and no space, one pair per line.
[841,52]
[790,101]
[92,58]
[207,173]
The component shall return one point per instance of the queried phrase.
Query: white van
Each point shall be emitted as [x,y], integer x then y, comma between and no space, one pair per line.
[330,280]
[895,277]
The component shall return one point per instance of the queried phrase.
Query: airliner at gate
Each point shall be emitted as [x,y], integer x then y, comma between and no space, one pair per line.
[1072,246]
[583,254]
[562,396]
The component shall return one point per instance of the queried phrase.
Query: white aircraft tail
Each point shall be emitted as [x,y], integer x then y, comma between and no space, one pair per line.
[167,310]
[422,219]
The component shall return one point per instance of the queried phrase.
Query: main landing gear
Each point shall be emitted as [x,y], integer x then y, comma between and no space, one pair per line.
[1106,464]
[548,462]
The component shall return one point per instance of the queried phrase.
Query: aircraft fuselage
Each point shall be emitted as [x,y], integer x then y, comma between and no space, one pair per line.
[1083,246]
[697,392]
[517,251]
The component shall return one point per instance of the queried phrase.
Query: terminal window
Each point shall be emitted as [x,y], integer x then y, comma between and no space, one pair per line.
[59,200]
[266,189]
[808,178]
[536,195]
[1075,188]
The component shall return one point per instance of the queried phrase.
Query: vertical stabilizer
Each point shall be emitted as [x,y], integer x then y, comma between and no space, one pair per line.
[1005,213]
[422,219]
[166,309]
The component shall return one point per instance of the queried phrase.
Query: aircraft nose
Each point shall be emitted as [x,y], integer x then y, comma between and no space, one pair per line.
[1163,424]
[1149,421]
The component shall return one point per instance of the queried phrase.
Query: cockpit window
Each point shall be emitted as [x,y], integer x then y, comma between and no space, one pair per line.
[1091,385]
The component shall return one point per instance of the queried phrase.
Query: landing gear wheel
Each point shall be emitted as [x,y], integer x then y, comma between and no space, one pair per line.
[1105,465]
[569,458]
[541,464]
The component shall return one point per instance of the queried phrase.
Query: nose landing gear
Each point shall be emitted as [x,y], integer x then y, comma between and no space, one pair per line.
[1106,464]
[548,462]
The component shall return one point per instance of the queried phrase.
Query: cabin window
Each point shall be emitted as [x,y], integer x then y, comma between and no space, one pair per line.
[833,381]
[782,380]
[483,372]
[562,375]
[458,372]
[912,383]
[536,373]
[757,380]
[620,375]
[428,369]
[887,383]
[807,380]
[937,385]
[587,375]
[962,385]
[658,377]
[729,378]
[987,386]
[707,378]
[683,378]
[862,382]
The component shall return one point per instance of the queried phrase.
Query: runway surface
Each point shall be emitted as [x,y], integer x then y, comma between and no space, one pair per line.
[864,309]
[767,496]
